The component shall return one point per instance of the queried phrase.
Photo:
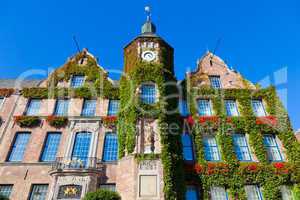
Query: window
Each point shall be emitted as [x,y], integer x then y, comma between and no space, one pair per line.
[89,108]
[111,187]
[50,147]
[204,107]
[81,147]
[215,82]
[62,107]
[113,107]
[191,193]
[110,147]
[286,192]
[33,107]
[253,192]
[183,108]
[218,193]
[241,147]
[77,81]
[211,149]
[1,101]
[187,147]
[5,190]
[38,192]
[231,108]
[19,147]
[148,94]
[258,108]
[272,148]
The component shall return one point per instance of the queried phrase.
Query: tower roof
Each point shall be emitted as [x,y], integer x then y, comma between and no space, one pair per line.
[148,28]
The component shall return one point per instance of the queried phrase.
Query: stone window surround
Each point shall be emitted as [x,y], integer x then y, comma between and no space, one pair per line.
[79,127]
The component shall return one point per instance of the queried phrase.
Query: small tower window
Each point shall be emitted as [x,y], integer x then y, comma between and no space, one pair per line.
[215,82]
[77,81]
[148,93]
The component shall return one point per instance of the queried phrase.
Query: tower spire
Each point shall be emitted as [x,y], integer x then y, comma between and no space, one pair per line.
[148,28]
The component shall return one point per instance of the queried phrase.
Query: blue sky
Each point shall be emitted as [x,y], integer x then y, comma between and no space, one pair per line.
[258,38]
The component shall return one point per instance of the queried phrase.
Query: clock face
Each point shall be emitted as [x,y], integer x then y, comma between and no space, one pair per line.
[148,56]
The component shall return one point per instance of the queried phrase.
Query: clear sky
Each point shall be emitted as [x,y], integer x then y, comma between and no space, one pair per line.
[259,38]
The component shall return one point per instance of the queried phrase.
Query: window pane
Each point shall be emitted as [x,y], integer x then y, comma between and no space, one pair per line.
[215,82]
[19,146]
[51,147]
[5,190]
[241,147]
[187,147]
[191,193]
[113,107]
[258,108]
[286,193]
[62,107]
[33,107]
[211,150]
[77,81]
[148,94]
[111,187]
[183,108]
[253,192]
[89,108]
[272,148]
[204,108]
[81,148]
[231,108]
[1,101]
[39,192]
[218,193]
[110,147]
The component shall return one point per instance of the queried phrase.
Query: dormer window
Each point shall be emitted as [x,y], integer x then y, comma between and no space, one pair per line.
[77,81]
[215,82]
[148,93]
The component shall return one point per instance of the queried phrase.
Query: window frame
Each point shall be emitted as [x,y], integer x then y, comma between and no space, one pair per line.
[263,107]
[110,113]
[276,145]
[247,145]
[13,144]
[44,145]
[195,188]
[191,147]
[108,184]
[37,184]
[71,81]
[216,146]
[155,95]
[257,188]
[11,189]
[55,108]
[235,107]
[29,104]
[82,114]
[104,148]
[210,107]
[2,103]
[222,187]
[211,81]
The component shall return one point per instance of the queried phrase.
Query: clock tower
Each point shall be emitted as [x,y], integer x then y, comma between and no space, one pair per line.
[148,47]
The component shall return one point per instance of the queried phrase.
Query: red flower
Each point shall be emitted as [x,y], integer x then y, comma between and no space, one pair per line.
[190,120]
[198,168]
[268,120]
[278,165]
[204,119]
[252,167]
[229,120]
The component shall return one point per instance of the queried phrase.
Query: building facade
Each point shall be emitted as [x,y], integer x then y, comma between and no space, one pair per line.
[148,136]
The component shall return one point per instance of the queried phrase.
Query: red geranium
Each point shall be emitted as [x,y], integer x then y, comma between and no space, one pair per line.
[268,120]
[204,119]
[190,120]
[198,168]
[252,167]
[279,165]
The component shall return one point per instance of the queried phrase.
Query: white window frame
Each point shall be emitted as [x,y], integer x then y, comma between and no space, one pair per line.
[71,78]
[1,104]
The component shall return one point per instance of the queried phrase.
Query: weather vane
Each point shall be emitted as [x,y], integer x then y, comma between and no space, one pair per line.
[148,11]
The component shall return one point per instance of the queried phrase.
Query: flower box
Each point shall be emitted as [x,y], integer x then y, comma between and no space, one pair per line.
[27,121]
[109,121]
[56,121]
[268,120]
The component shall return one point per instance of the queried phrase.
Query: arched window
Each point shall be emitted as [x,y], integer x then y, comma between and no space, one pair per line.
[148,93]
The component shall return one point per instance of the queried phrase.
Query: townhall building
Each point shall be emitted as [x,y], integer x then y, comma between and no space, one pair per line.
[78,131]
